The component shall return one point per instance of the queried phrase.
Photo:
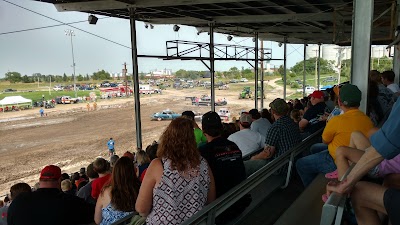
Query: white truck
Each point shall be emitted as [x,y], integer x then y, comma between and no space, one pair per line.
[147,89]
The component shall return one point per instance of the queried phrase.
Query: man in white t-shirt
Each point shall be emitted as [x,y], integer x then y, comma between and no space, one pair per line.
[247,140]
[388,80]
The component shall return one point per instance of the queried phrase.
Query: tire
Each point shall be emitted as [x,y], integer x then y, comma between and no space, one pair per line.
[159,118]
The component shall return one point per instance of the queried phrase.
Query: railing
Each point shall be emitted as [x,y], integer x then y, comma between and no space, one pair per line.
[332,211]
[208,213]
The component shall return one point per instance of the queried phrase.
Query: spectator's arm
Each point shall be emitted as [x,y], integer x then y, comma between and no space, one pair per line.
[211,191]
[329,131]
[97,211]
[144,200]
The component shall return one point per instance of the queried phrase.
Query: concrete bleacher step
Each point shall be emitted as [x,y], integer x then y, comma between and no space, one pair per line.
[259,194]
[308,206]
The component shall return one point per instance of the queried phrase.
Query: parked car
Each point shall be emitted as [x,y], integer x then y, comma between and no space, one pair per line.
[165,115]
[58,88]
[234,81]
[244,80]
[330,79]
[10,90]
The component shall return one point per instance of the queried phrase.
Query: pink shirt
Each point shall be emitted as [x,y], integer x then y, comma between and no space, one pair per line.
[389,166]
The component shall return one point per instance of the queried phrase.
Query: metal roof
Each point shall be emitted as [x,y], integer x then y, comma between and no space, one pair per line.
[311,21]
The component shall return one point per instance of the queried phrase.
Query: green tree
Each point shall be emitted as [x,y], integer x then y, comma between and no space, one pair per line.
[26,79]
[233,73]
[79,77]
[325,66]
[181,73]
[381,64]
[65,78]
[13,77]
[101,75]
[248,73]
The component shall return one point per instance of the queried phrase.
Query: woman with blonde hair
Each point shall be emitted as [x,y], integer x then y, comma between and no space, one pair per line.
[117,198]
[179,182]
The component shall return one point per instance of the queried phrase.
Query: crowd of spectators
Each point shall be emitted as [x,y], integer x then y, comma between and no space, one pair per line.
[189,167]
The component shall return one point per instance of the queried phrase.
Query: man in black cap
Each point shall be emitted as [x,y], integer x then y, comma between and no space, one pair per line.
[225,160]
[49,205]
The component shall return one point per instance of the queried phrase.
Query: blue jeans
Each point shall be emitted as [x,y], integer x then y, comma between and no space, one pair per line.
[310,166]
[318,147]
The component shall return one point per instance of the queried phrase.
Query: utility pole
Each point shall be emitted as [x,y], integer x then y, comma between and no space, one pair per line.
[71,34]
[50,85]
[262,75]
[38,81]
[124,72]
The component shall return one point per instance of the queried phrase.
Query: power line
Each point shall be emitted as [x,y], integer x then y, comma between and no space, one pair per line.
[66,24]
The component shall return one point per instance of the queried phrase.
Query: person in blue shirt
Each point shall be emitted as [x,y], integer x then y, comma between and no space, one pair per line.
[110,145]
[41,111]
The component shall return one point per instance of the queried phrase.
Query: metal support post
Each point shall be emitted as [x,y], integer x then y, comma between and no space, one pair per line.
[319,66]
[396,61]
[262,75]
[135,77]
[361,46]
[256,71]
[304,69]
[212,67]
[284,67]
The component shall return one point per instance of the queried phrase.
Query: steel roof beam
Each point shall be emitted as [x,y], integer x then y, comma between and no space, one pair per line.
[274,18]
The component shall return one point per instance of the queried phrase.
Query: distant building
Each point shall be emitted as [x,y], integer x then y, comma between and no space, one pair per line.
[157,74]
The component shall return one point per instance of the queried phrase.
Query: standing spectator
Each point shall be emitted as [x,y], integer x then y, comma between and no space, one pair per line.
[110,145]
[336,133]
[260,124]
[179,182]
[100,166]
[41,111]
[94,106]
[113,160]
[118,198]
[226,163]
[85,191]
[66,187]
[281,137]
[15,190]
[48,205]
[388,80]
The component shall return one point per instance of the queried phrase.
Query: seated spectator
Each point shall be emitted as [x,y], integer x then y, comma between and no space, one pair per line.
[129,155]
[310,122]
[66,187]
[283,135]
[6,200]
[15,190]
[247,140]
[228,129]
[101,167]
[118,198]
[65,176]
[143,162]
[113,160]
[336,133]
[368,199]
[48,205]
[82,184]
[179,182]
[295,115]
[151,150]
[259,124]
[85,191]
[387,78]
[198,133]
[298,105]
[225,160]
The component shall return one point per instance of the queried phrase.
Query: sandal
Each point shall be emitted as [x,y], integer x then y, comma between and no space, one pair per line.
[332,175]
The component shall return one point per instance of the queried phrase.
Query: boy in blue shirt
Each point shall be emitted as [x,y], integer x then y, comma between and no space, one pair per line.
[110,145]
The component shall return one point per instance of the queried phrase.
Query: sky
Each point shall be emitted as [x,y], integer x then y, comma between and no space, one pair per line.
[48,50]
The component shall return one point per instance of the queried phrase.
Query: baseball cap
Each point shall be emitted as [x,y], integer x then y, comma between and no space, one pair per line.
[211,119]
[317,94]
[350,95]
[279,106]
[50,172]
[245,118]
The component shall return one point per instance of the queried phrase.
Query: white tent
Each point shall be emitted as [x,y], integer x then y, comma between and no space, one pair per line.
[14,100]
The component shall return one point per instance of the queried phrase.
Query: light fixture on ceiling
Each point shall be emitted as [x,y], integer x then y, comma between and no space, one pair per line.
[146,25]
[92,19]
[151,26]
[254,39]
[280,44]
[229,38]
[176,28]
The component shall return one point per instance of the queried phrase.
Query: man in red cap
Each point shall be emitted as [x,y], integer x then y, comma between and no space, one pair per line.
[310,122]
[49,205]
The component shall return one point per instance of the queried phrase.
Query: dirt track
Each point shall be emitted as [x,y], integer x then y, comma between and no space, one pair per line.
[71,137]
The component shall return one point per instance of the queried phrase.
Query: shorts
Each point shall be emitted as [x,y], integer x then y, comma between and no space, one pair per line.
[111,151]
[391,200]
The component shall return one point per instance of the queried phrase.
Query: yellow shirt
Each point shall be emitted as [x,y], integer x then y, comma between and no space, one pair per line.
[338,131]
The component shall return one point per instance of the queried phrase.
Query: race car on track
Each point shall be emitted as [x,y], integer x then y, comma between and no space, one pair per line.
[165,115]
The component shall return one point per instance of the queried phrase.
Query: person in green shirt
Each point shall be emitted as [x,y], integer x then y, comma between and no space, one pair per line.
[198,133]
